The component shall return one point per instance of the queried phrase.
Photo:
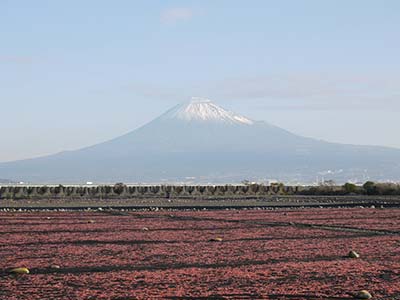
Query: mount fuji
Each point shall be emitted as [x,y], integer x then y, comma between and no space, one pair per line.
[199,141]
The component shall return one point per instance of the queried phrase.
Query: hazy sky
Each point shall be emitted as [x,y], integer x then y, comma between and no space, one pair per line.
[74,73]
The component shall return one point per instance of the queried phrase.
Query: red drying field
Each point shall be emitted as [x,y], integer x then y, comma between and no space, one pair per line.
[281,254]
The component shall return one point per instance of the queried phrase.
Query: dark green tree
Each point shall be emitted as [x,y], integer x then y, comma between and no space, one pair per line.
[350,188]
[370,188]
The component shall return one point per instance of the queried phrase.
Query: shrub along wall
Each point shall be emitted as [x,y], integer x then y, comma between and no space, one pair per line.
[120,190]
[155,191]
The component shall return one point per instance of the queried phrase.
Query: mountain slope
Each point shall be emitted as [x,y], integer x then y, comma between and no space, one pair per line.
[200,139]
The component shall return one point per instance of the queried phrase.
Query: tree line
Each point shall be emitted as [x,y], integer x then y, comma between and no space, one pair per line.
[121,190]
[369,188]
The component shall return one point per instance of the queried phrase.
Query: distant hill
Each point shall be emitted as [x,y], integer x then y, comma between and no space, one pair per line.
[6,181]
[202,142]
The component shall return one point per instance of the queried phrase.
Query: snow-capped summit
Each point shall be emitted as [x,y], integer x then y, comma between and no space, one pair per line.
[202,109]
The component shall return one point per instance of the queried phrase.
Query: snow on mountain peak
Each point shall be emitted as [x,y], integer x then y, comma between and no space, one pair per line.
[199,100]
[202,109]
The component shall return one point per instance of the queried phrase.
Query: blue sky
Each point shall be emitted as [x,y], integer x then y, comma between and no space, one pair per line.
[74,73]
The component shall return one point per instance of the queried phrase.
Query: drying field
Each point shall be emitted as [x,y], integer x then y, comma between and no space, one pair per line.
[263,254]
